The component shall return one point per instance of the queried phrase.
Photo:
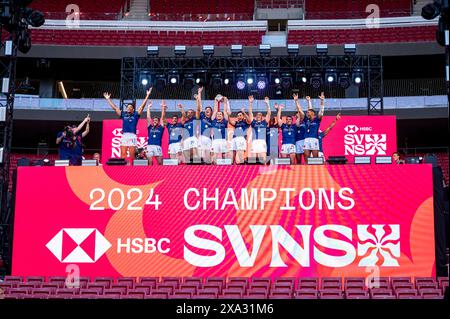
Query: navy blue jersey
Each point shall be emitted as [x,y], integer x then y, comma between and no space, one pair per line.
[240,129]
[79,146]
[155,134]
[301,131]
[189,127]
[175,132]
[66,146]
[259,129]
[205,125]
[129,122]
[288,133]
[220,129]
[312,127]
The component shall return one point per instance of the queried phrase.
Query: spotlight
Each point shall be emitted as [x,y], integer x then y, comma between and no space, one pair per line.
[208,49]
[236,49]
[344,80]
[34,18]
[153,50]
[274,77]
[180,50]
[322,49]
[286,80]
[226,81]
[173,77]
[240,85]
[251,78]
[357,77]
[331,76]
[300,76]
[264,49]
[216,80]
[144,78]
[316,80]
[261,85]
[201,78]
[350,49]
[293,49]
[431,10]
[188,81]
[24,44]
[160,81]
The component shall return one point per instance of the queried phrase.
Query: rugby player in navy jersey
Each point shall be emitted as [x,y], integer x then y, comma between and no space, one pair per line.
[130,119]
[312,124]
[190,140]
[239,141]
[155,128]
[259,130]
[67,141]
[288,132]
[325,133]
[205,117]
[220,130]
[300,130]
[175,131]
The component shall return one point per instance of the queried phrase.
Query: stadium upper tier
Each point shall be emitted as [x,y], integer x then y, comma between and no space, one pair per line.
[207,10]
[226,33]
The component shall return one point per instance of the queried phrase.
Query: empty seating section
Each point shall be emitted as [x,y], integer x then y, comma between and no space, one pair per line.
[91,10]
[279,4]
[382,35]
[145,38]
[355,9]
[201,10]
[224,288]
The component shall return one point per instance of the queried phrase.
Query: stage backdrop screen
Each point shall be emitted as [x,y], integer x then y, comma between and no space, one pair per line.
[239,221]
[351,136]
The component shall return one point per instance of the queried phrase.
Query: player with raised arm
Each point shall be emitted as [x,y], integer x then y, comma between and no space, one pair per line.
[190,140]
[239,141]
[288,131]
[300,129]
[312,124]
[325,133]
[155,128]
[259,128]
[205,117]
[175,130]
[219,129]
[130,119]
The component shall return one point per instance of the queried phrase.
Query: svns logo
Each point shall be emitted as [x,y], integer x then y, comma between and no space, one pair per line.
[115,143]
[358,143]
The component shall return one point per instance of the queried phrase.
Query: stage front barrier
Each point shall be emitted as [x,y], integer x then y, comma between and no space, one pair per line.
[227,221]
[351,136]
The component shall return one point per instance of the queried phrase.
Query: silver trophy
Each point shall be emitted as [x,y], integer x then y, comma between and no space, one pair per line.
[219,97]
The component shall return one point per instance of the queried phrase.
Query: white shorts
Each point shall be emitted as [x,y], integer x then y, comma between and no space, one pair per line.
[205,143]
[154,150]
[219,146]
[259,146]
[190,143]
[175,148]
[287,149]
[239,143]
[299,146]
[311,144]
[128,139]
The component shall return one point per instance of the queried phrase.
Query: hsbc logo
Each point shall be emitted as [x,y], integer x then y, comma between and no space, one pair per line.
[364,144]
[351,129]
[78,245]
